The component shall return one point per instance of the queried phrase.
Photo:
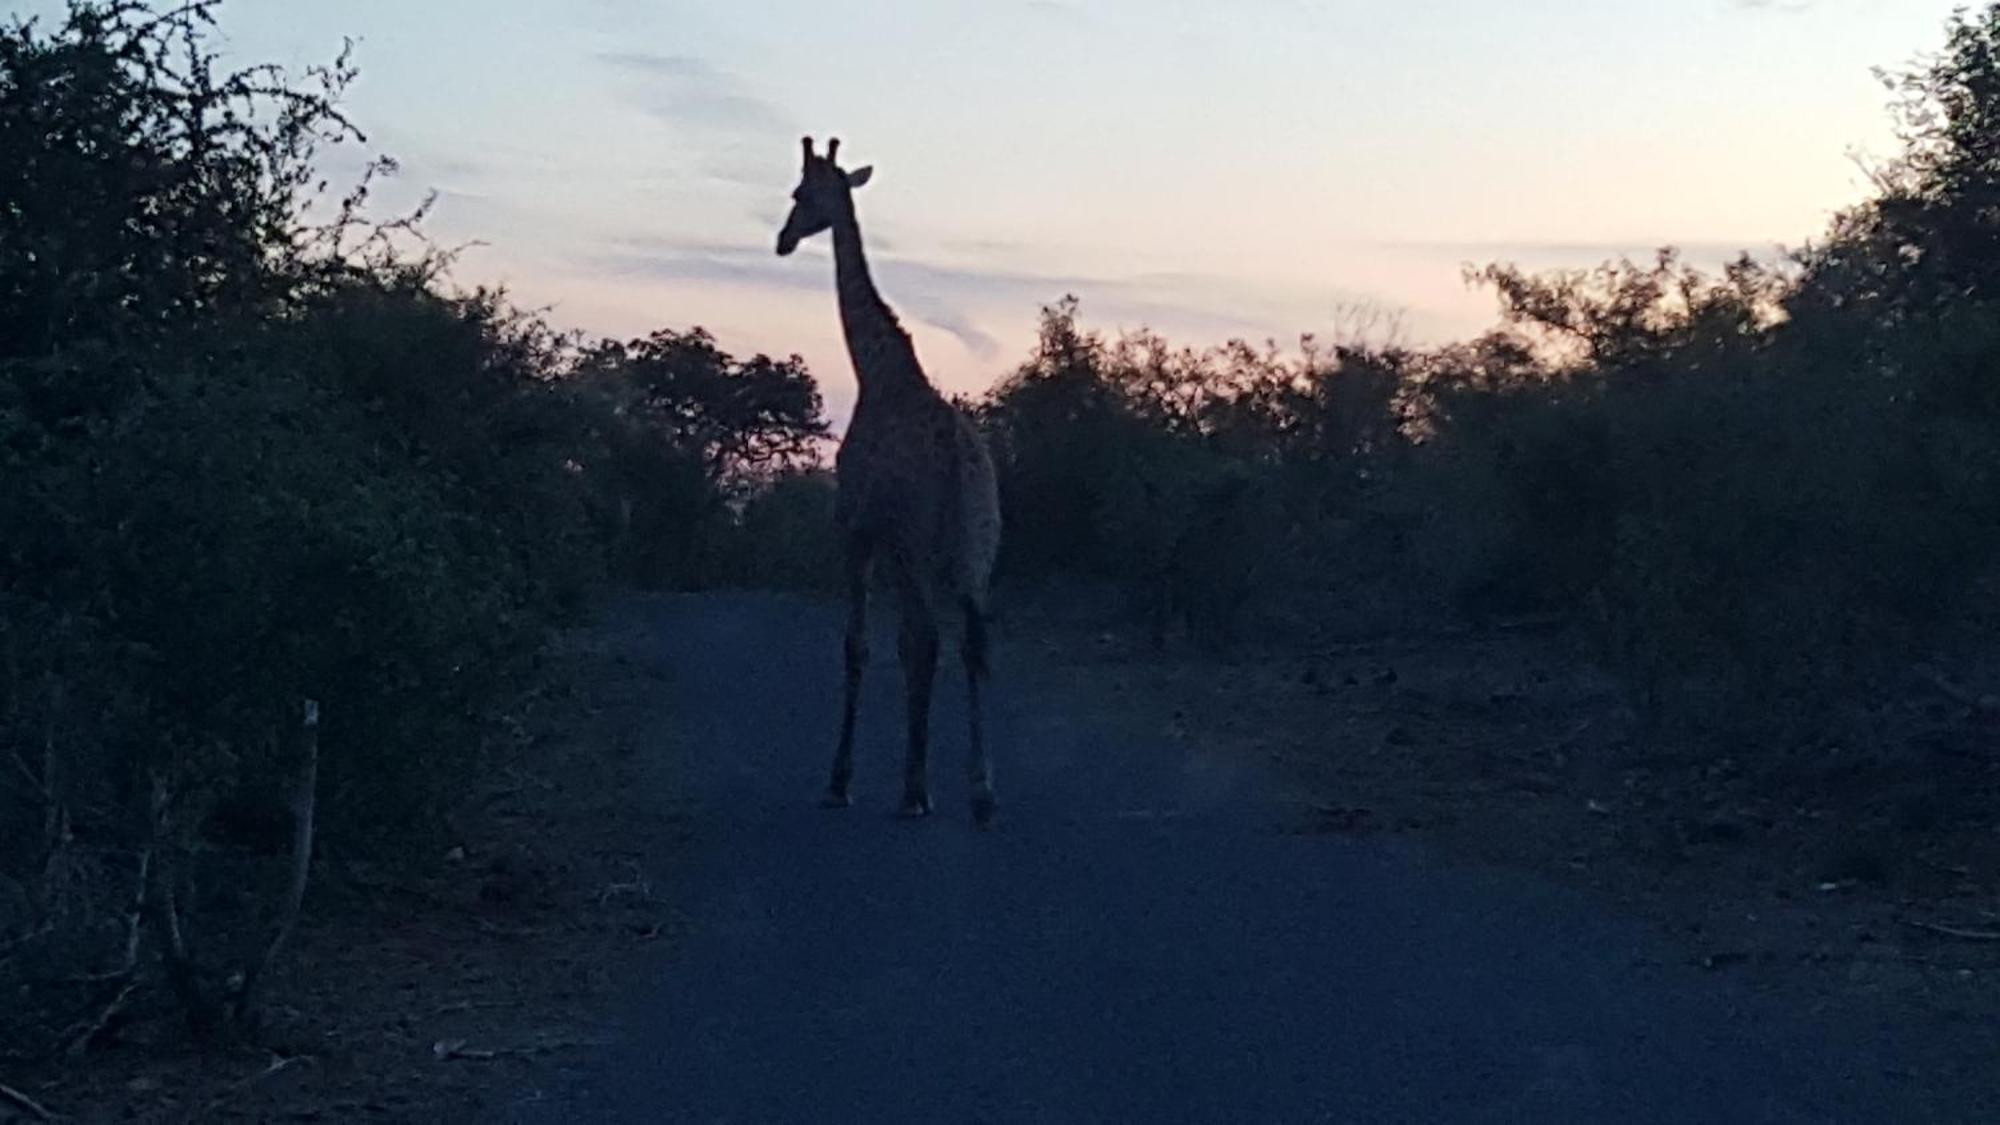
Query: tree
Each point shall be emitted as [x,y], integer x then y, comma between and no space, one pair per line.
[742,420]
[1931,236]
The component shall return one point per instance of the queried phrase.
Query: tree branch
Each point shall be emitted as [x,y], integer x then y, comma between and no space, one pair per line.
[164,910]
[304,804]
[26,1104]
[79,1038]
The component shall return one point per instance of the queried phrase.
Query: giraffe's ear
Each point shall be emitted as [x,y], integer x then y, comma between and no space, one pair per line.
[860,176]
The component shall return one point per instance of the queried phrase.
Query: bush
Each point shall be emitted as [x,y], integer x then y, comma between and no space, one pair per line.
[697,433]
[784,539]
[1116,464]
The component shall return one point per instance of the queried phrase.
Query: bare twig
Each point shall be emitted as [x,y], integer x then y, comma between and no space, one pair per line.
[277,1064]
[475,1006]
[135,919]
[163,908]
[446,1050]
[1956,932]
[304,802]
[498,795]
[639,886]
[510,931]
[56,834]
[52,812]
[26,1104]
[78,1039]
[14,945]
[27,773]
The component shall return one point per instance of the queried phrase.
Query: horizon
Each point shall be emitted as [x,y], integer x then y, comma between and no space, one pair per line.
[1263,173]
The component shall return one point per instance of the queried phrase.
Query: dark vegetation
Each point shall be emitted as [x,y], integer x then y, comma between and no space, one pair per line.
[1766,494]
[262,460]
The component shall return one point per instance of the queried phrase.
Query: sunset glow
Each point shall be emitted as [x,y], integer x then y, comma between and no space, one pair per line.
[1207,170]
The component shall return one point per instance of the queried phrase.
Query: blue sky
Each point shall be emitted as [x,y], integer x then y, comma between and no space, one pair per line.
[1260,167]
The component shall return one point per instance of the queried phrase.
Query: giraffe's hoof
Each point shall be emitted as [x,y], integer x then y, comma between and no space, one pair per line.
[915,806]
[834,798]
[985,811]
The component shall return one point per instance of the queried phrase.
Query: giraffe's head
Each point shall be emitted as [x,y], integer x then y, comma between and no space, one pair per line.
[825,195]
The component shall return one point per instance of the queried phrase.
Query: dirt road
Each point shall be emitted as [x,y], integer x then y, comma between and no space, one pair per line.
[1141,940]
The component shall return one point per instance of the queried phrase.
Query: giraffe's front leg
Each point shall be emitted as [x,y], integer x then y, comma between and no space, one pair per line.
[919,653]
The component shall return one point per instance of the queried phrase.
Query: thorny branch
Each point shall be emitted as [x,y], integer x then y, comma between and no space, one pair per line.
[304,803]
[26,1104]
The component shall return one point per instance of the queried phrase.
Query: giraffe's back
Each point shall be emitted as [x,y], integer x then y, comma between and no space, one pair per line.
[978,516]
[918,481]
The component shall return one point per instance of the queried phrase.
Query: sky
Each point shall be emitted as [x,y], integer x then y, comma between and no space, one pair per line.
[1255,168]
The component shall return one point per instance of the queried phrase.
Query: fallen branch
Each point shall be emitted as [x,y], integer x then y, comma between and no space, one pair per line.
[1954,931]
[26,1104]
[640,886]
[551,1046]
[498,930]
[446,1050]
[475,1006]
[278,1063]
[1988,704]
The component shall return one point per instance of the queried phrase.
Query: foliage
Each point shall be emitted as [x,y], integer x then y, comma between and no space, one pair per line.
[782,540]
[1180,475]
[1767,488]
[703,433]
[742,420]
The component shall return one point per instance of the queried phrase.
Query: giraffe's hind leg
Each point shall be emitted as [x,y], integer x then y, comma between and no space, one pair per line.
[979,772]
[856,662]
[919,653]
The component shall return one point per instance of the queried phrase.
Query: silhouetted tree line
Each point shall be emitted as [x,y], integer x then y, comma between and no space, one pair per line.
[1767,491]
[256,454]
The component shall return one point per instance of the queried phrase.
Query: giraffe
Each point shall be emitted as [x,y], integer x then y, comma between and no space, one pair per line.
[916,491]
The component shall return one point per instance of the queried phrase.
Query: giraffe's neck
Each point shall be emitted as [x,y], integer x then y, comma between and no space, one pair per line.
[883,356]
